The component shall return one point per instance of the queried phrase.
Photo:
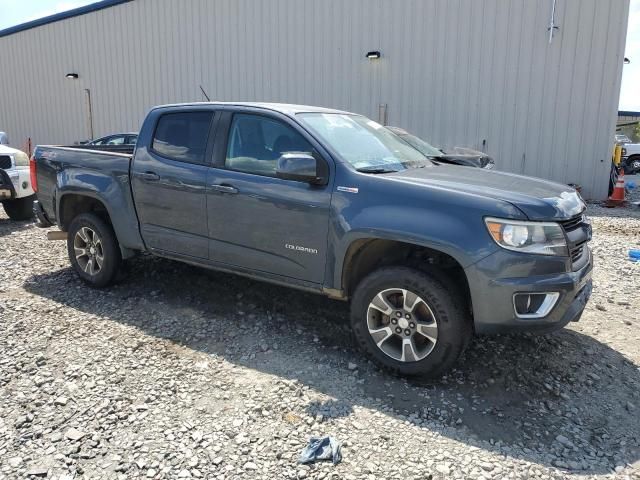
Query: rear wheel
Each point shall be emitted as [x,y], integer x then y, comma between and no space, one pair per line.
[93,250]
[408,322]
[19,208]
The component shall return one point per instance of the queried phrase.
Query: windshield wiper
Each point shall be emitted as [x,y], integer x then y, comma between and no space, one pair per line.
[375,170]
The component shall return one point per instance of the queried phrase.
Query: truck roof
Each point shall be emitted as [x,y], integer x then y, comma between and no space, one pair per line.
[286,108]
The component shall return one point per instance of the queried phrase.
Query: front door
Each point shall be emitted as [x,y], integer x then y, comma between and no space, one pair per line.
[257,221]
[169,183]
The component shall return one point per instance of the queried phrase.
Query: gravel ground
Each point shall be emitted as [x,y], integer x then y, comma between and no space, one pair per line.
[178,372]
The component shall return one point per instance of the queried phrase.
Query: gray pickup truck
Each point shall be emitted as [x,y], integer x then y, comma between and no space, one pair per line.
[330,202]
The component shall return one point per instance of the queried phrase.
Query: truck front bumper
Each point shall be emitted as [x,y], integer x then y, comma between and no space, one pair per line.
[7,190]
[495,282]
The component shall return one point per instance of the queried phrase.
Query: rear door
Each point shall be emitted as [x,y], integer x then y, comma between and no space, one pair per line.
[257,221]
[169,181]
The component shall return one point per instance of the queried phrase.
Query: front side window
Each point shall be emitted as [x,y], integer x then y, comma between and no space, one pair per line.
[257,142]
[363,143]
[183,136]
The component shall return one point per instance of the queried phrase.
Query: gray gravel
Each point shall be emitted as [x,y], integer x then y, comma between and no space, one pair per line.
[177,372]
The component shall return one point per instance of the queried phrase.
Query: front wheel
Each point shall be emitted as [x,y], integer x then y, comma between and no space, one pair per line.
[93,250]
[19,208]
[408,322]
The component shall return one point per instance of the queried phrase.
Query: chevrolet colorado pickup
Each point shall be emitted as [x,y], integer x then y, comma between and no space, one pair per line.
[334,203]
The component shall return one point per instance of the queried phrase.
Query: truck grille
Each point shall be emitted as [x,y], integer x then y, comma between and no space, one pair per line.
[576,236]
[5,162]
[572,223]
[576,252]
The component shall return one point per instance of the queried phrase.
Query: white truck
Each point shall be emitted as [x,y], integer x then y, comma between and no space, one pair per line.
[16,191]
[631,158]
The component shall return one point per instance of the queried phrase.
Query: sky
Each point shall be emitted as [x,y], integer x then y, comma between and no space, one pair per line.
[14,12]
[630,92]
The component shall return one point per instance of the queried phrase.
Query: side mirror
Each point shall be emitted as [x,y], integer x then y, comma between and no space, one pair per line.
[301,167]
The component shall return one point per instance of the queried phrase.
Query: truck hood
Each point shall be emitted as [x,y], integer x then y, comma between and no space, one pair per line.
[6,150]
[538,199]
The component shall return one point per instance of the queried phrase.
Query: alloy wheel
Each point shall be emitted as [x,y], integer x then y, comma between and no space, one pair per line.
[87,246]
[402,325]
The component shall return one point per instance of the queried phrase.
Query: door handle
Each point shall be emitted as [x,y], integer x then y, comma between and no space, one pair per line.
[149,176]
[224,189]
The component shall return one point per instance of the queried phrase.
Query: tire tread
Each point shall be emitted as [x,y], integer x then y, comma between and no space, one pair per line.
[447,302]
[113,257]
[19,209]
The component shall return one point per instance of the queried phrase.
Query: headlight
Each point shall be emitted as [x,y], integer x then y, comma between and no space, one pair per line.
[21,159]
[543,238]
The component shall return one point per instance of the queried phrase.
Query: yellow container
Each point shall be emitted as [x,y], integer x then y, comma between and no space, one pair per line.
[617,155]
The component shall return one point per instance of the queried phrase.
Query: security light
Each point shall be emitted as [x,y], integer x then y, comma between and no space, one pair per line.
[72,76]
[626,61]
[373,55]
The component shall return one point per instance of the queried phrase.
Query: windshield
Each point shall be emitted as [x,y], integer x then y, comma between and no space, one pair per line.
[365,144]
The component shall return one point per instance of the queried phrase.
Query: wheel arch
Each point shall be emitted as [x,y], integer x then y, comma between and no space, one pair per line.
[72,203]
[110,201]
[364,255]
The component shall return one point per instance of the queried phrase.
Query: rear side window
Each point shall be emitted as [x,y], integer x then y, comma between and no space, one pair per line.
[183,136]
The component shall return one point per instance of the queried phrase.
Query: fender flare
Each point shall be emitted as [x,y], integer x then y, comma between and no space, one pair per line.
[341,263]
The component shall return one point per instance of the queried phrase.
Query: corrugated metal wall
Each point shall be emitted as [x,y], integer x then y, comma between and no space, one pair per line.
[478,73]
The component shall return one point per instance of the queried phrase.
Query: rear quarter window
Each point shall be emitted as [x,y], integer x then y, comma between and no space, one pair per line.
[183,136]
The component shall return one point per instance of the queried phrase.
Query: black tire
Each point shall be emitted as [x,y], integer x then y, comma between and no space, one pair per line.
[449,310]
[108,248]
[633,164]
[19,208]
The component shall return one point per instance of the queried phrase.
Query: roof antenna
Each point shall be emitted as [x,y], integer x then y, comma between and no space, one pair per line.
[205,94]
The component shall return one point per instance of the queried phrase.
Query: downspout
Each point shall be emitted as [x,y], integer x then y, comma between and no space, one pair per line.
[89,112]
[552,21]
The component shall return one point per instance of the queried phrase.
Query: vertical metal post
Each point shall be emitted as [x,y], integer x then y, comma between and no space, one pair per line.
[382,114]
[89,112]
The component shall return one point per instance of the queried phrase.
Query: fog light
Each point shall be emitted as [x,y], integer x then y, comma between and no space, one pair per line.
[534,305]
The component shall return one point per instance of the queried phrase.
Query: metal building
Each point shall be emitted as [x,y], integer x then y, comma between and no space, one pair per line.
[535,83]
